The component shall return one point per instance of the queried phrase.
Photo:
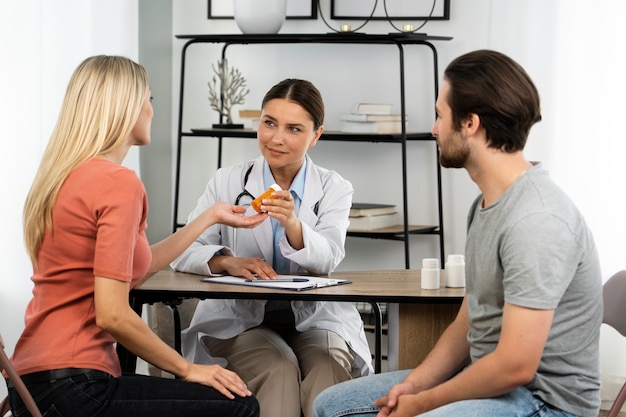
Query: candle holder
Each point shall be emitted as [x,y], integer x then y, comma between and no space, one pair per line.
[407,27]
[346,28]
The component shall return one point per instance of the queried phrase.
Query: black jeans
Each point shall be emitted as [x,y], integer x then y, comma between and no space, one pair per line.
[98,394]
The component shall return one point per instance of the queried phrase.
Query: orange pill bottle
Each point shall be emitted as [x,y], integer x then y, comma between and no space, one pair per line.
[256,203]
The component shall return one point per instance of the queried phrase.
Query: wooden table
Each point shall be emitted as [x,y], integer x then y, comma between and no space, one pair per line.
[423,314]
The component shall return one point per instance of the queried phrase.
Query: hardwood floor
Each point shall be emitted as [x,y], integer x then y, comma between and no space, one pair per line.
[604,413]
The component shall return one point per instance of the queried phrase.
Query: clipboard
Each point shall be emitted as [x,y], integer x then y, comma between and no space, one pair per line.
[283,282]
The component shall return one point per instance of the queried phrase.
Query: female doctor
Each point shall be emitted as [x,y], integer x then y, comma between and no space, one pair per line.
[286,352]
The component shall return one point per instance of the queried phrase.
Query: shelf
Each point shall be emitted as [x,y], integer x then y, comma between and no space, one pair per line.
[395,232]
[398,40]
[389,233]
[327,135]
[371,328]
[350,37]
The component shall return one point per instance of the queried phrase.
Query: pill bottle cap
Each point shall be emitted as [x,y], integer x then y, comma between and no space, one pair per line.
[276,187]
[430,263]
[456,258]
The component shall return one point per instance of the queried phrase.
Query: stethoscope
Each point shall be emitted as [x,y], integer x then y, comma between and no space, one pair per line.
[245,192]
[241,195]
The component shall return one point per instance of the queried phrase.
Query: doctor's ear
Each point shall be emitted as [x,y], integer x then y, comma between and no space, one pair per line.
[317,135]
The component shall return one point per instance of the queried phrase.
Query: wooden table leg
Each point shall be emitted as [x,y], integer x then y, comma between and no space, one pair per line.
[419,328]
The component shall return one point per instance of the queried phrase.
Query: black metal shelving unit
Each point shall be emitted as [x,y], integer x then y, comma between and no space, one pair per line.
[400,40]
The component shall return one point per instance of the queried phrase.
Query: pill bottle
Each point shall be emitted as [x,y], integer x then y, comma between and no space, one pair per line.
[430,273]
[455,271]
[256,203]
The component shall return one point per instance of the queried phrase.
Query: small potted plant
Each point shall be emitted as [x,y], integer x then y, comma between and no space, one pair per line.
[230,92]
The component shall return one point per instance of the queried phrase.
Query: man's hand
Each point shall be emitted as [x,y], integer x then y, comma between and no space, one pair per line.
[396,401]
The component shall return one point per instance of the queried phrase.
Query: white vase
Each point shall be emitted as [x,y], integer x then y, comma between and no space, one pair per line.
[260,16]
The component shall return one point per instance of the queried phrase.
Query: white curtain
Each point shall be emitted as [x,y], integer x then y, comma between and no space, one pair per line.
[42,43]
[574,51]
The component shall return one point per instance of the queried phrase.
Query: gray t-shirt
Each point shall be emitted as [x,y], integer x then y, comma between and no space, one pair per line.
[533,249]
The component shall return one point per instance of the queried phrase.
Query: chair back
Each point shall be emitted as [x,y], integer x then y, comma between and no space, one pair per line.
[614,296]
[7,366]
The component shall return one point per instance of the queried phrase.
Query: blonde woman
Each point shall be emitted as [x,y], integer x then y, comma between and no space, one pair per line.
[84,228]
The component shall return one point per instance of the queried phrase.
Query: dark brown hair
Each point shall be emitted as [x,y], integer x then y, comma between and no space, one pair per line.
[301,92]
[499,91]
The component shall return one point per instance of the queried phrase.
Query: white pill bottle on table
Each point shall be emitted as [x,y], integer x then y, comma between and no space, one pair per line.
[430,273]
[455,271]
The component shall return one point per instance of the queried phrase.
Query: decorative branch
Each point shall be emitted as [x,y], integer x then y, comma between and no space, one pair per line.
[232,89]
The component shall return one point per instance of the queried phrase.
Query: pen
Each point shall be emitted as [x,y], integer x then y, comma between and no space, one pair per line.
[265,281]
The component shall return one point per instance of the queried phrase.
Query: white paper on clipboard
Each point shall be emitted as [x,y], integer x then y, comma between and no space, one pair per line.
[283,284]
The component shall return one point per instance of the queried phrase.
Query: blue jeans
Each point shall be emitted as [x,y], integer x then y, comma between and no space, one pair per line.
[356,398]
[99,394]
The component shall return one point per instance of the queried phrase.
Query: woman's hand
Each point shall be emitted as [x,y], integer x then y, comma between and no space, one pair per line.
[281,207]
[225,381]
[249,268]
[232,215]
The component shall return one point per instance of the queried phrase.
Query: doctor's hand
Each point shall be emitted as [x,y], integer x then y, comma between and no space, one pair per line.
[281,207]
[249,268]
[233,216]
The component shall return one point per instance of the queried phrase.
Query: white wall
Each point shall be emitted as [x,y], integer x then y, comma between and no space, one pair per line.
[341,72]
[42,43]
[21,120]
[569,47]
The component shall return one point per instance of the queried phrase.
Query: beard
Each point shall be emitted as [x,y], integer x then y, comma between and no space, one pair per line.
[455,152]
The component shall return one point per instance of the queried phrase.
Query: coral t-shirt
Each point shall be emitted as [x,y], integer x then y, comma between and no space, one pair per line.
[99,223]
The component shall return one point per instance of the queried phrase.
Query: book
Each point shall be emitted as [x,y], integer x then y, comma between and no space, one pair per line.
[371,209]
[249,114]
[390,126]
[250,118]
[283,282]
[362,117]
[373,222]
[372,108]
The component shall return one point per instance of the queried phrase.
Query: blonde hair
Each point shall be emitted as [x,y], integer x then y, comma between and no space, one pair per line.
[100,108]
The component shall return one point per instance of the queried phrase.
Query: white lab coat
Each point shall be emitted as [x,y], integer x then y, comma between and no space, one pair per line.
[324,232]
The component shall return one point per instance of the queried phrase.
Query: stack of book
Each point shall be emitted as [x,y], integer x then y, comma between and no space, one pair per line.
[369,216]
[250,118]
[371,118]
